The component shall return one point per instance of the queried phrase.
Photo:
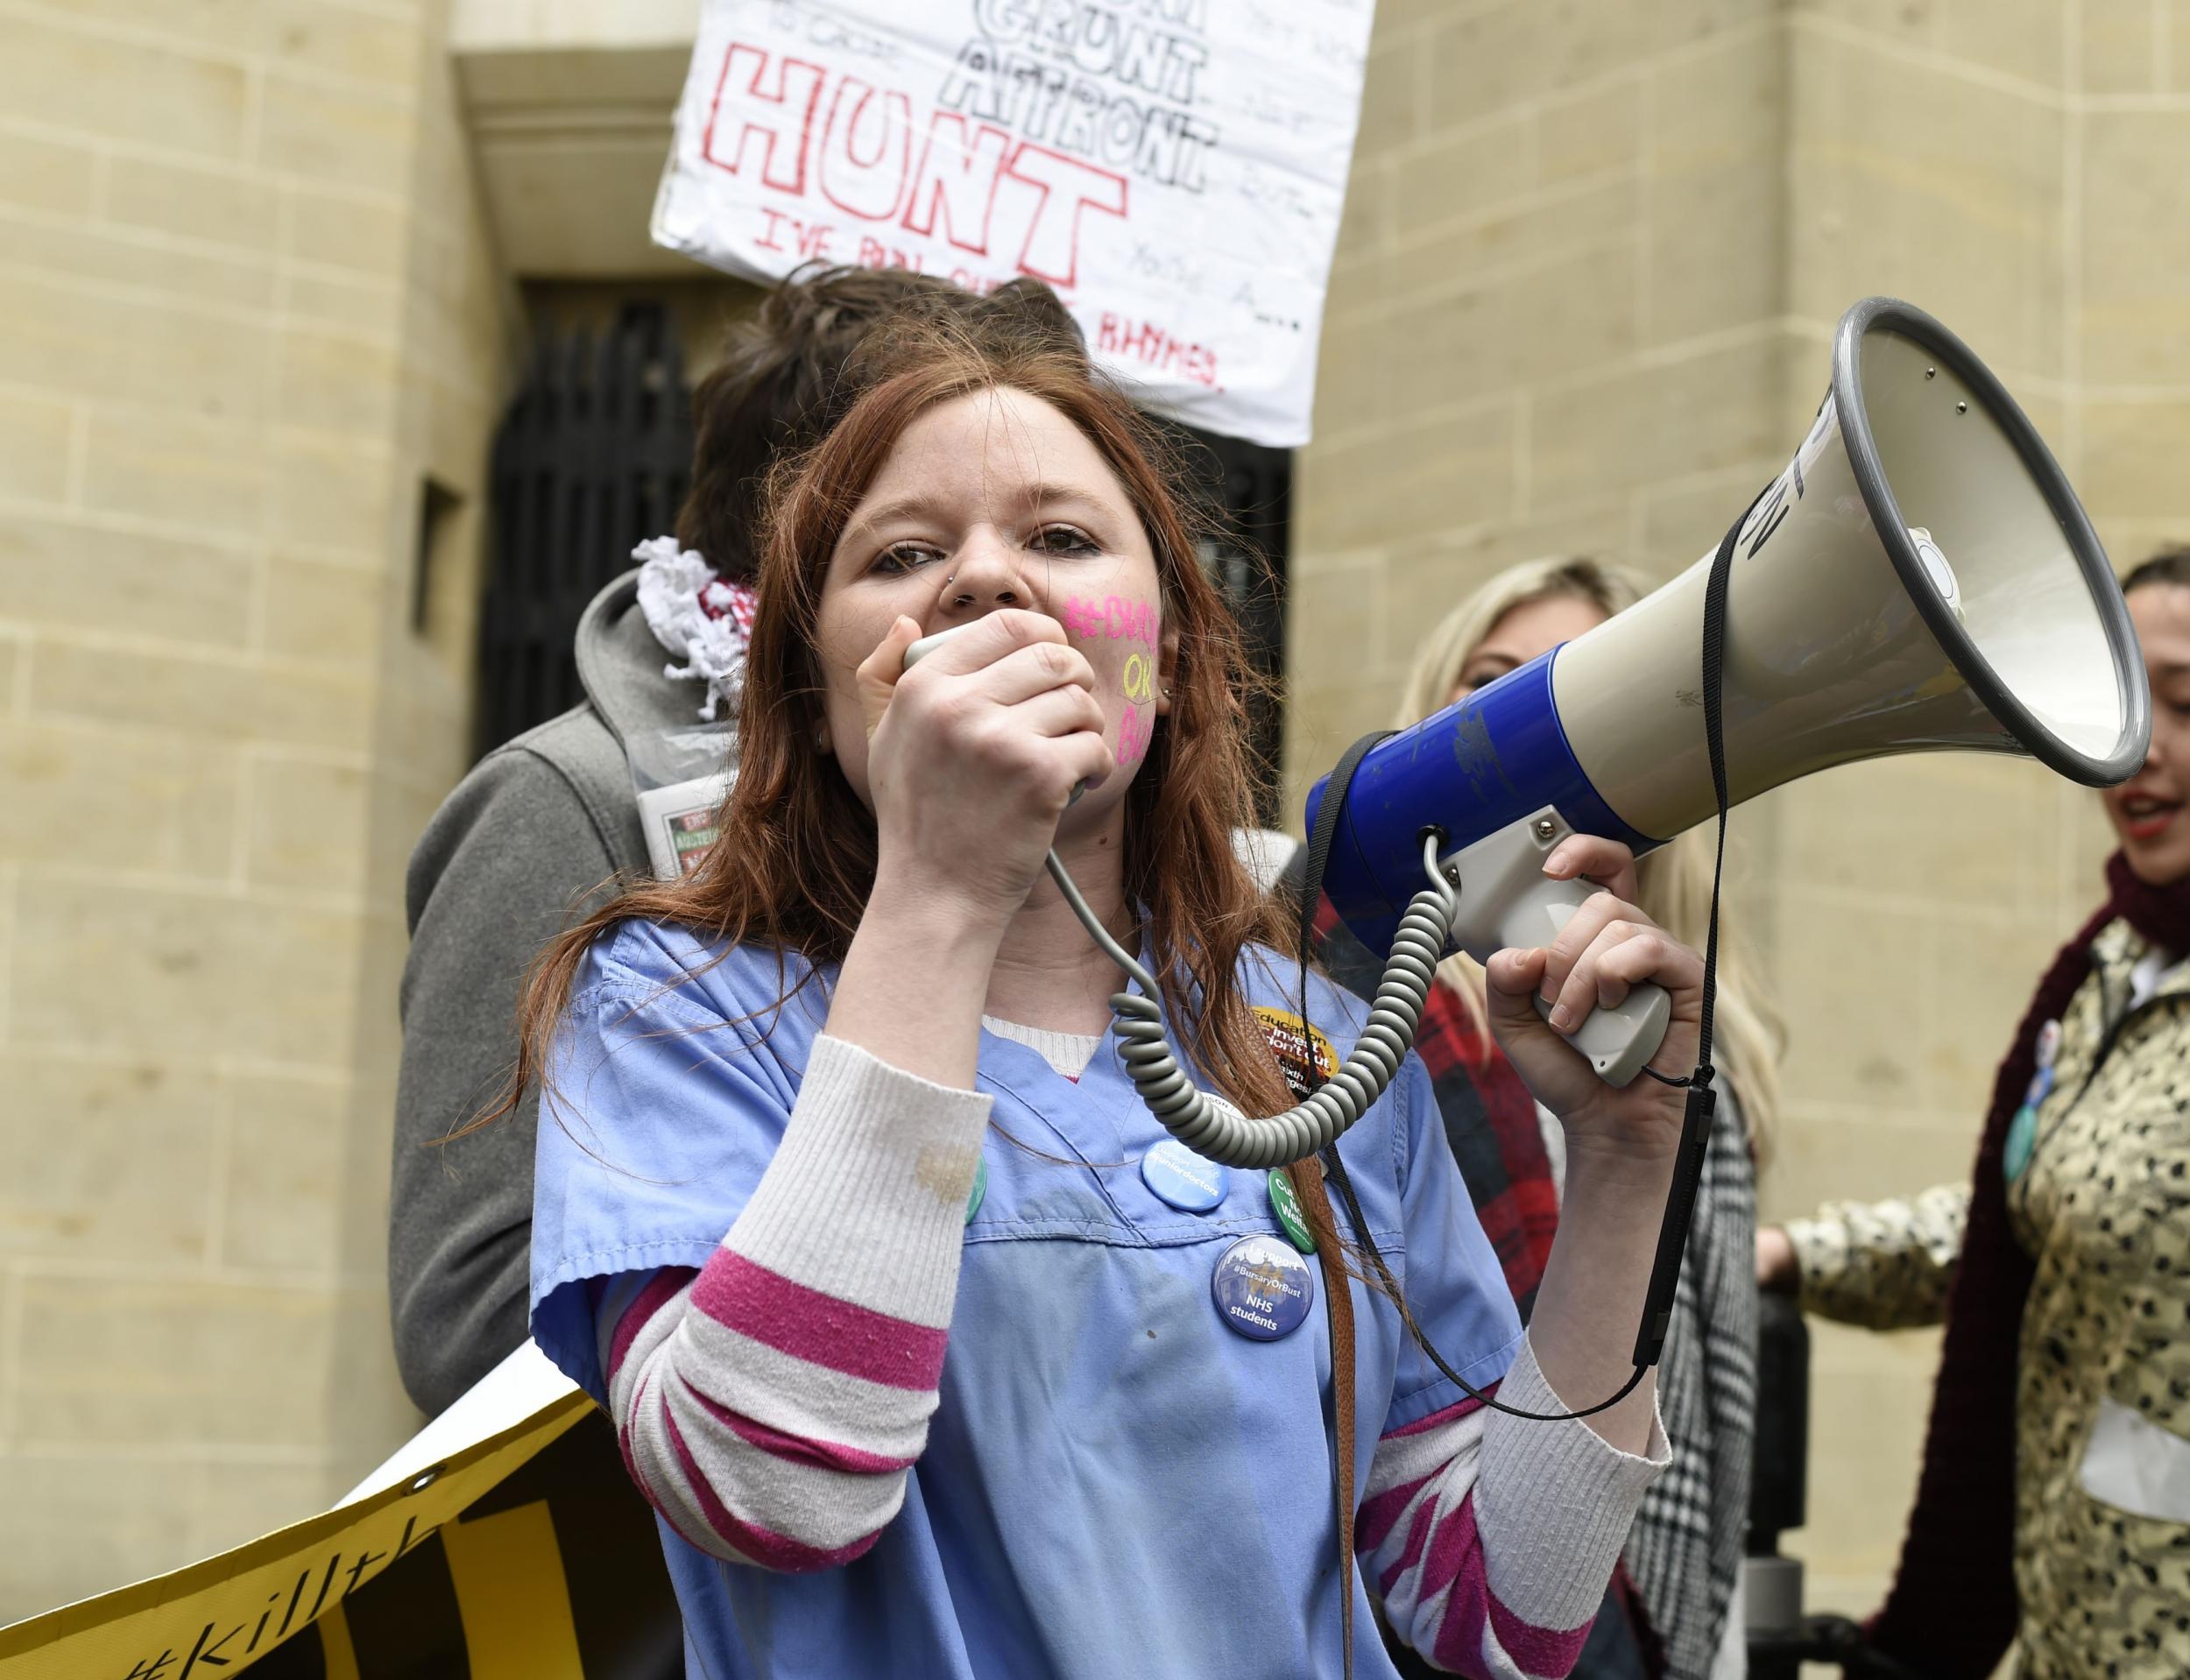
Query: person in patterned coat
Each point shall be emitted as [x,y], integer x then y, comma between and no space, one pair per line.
[2053,1510]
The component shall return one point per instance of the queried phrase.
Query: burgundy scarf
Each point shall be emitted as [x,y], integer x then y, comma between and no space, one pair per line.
[1952,1612]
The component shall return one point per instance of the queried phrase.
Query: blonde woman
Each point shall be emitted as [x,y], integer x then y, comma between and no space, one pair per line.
[1683,1554]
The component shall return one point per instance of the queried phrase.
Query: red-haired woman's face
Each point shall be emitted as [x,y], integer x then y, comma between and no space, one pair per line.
[990,501]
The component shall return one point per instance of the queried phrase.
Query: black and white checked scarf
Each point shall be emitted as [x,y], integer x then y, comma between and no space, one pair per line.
[1686,1549]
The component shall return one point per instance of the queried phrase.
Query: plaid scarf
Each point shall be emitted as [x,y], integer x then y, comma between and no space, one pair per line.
[1685,1554]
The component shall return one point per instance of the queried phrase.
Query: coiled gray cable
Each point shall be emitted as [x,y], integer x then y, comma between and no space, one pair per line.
[1210,1126]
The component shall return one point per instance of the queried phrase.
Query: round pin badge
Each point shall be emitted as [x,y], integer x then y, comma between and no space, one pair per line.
[2048,1043]
[1262,1288]
[1186,1180]
[1286,1205]
[981,1189]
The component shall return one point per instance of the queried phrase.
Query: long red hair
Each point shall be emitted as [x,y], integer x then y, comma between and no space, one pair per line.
[795,860]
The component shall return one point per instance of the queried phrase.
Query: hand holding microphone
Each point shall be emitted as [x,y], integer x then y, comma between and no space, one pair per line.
[977,739]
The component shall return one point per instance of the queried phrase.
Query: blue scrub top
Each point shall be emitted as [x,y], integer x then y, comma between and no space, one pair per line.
[1115,1482]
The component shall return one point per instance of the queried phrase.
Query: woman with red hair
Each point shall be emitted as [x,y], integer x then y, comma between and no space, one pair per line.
[936,1356]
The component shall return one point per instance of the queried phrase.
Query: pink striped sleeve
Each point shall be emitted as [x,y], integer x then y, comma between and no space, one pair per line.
[1490,1540]
[771,1405]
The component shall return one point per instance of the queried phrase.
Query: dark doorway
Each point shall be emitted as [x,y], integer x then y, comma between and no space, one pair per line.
[592,459]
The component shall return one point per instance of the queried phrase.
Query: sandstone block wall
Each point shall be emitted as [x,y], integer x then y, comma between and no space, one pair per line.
[245,308]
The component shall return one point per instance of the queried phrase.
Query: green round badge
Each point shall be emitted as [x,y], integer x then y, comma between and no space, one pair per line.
[2022,1140]
[981,1189]
[1286,1205]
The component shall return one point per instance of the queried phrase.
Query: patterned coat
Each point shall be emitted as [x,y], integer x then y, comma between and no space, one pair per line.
[2103,1402]
[1882,1265]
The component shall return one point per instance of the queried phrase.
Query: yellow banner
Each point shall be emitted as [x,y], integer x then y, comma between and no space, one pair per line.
[496,1547]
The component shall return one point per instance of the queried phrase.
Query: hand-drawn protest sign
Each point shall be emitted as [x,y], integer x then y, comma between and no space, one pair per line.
[1175,168]
[505,1539]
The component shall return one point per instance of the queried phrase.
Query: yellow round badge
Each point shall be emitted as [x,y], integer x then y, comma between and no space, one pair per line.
[1303,1053]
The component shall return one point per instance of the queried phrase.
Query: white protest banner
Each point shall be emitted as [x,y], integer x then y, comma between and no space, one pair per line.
[1175,168]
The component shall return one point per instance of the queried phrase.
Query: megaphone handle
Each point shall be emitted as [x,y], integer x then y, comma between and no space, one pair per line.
[1506,902]
[1616,1038]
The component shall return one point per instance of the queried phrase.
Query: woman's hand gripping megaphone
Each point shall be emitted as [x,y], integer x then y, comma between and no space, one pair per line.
[1524,887]
[1607,952]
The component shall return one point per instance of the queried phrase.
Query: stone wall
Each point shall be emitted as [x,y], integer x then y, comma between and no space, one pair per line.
[245,307]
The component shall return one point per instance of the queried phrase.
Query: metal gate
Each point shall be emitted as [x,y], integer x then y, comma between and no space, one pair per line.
[592,459]
[594,455]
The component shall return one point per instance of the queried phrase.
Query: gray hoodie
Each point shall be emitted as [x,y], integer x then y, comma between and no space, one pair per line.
[539,832]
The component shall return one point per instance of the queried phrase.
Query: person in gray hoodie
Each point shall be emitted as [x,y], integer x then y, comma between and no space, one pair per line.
[543,827]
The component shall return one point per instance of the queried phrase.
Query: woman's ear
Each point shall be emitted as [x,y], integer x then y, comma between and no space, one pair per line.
[1165,667]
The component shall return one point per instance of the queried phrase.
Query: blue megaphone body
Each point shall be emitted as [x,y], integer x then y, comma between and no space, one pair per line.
[1493,759]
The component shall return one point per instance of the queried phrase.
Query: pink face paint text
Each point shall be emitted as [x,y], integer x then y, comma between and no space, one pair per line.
[1113,619]
[1135,732]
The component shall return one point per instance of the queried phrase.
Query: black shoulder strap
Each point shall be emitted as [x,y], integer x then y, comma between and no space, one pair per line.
[1318,857]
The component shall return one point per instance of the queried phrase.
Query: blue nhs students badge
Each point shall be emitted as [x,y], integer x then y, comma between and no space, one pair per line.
[1263,1287]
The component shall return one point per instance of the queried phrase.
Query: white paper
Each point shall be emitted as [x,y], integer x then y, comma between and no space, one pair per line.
[2133,1465]
[1175,168]
[678,823]
[522,1385]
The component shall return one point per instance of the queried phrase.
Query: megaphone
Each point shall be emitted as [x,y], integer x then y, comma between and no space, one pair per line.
[1919,576]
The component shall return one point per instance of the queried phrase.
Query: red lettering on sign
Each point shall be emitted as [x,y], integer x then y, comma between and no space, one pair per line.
[1153,347]
[866,151]
[866,169]
[960,179]
[783,114]
[874,254]
[1052,251]
[809,239]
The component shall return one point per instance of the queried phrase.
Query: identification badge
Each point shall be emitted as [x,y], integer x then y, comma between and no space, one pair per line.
[681,823]
[1187,1181]
[979,1192]
[1305,1055]
[1262,1288]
